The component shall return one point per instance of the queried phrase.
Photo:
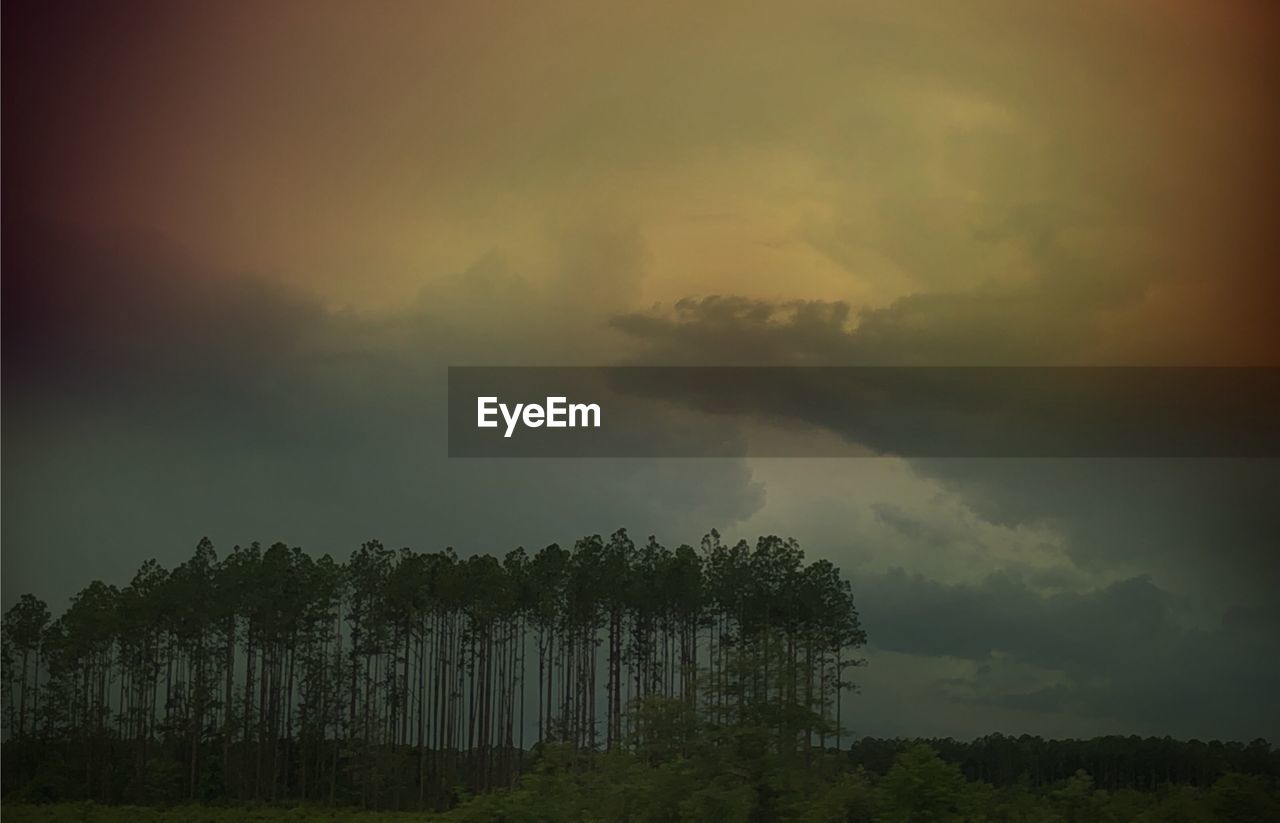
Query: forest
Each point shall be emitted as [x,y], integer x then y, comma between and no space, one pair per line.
[607,681]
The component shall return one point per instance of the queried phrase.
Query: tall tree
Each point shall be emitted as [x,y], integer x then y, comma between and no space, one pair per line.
[399,679]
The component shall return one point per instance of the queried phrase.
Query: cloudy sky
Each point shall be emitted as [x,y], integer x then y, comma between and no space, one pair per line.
[243,241]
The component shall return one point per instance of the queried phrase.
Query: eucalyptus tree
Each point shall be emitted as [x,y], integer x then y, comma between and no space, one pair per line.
[319,689]
[582,623]
[191,586]
[22,644]
[548,577]
[23,634]
[683,582]
[523,598]
[81,647]
[617,571]
[368,571]
[397,678]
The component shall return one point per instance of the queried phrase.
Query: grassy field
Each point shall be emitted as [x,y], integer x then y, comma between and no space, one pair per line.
[94,813]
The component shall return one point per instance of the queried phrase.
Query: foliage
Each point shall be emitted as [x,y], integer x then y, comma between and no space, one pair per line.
[606,682]
[922,787]
[1113,762]
[570,785]
[407,680]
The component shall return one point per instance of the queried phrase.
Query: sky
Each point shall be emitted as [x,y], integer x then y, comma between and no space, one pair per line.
[242,242]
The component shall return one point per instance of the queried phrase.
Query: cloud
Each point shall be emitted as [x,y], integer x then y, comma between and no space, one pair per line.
[148,403]
[1123,652]
[859,183]
[1203,525]
[1199,526]
[1127,595]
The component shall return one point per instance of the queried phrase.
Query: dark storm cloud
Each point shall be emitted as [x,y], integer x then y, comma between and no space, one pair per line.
[148,403]
[932,329]
[1210,526]
[1210,523]
[1053,319]
[79,305]
[1184,642]
[1123,651]
[729,330]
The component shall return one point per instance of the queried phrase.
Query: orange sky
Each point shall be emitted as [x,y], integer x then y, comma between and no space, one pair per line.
[1114,161]
[242,240]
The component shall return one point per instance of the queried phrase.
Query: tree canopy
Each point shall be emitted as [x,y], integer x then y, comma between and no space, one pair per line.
[402,679]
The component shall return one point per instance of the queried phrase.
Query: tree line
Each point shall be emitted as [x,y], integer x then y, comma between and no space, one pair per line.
[402,679]
[1114,762]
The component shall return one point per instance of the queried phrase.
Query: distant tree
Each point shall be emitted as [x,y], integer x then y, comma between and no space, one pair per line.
[921,787]
[23,634]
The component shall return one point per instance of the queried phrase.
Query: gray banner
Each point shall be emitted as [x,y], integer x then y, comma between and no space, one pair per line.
[678,411]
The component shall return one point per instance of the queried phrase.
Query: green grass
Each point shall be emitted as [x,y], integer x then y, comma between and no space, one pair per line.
[94,813]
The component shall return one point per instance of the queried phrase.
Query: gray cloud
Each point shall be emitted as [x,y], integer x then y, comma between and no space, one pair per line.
[1123,652]
[143,412]
[1183,641]
[144,409]
[1204,524]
